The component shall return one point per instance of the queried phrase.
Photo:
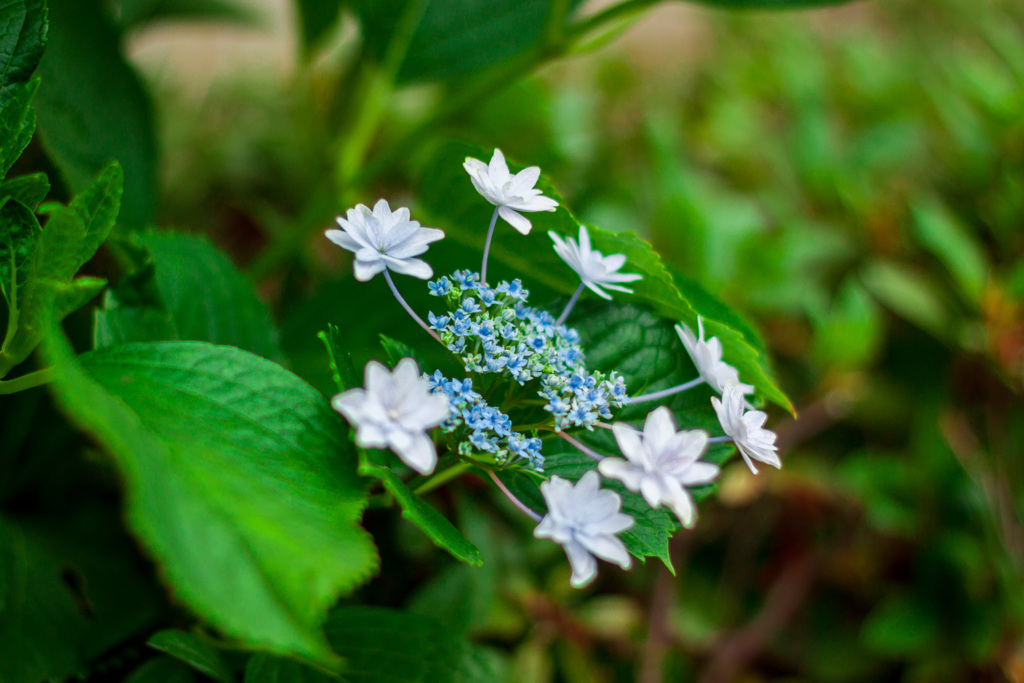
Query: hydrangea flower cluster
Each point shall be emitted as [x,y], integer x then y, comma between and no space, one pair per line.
[518,352]
[493,330]
[489,430]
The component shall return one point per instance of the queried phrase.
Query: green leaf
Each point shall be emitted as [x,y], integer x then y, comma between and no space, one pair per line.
[452,203]
[343,371]
[17,123]
[161,670]
[30,190]
[317,18]
[264,668]
[220,449]
[83,72]
[19,232]
[194,651]
[442,532]
[941,233]
[382,644]
[902,626]
[69,591]
[456,37]
[192,292]
[387,645]
[22,38]
[769,4]
[134,14]
[71,237]
[910,294]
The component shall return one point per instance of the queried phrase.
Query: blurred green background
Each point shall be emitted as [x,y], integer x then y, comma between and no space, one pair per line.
[851,178]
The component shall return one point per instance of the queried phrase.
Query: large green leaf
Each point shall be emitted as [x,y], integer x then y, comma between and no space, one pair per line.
[192,292]
[132,14]
[458,37]
[22,38]
[450,202]
[72,235]
[70,589]
[239,481]
[83,73]
[30,190]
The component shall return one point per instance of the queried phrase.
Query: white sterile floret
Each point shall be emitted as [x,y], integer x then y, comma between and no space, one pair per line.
[510,193]
[707,356]
[584,519]
[595,269]
[746,428]
[384,239]
[394,411]
[661,462]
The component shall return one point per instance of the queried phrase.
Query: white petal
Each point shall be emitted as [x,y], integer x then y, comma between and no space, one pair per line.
[415,449]
[659,428]
[342,239]
[629,441]
[524,180]
[413,267]
[365,270]
[699,473]
[609,548]
[517,221]
[597,290]
[584,566]
[617,468]
[498,169]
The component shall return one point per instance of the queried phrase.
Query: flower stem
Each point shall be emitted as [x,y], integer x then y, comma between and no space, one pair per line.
[442,477]
[572,302]
[515,501]
[487,247]
[583,449]
[408,309]
[29,381]
[667,392]
[720,439]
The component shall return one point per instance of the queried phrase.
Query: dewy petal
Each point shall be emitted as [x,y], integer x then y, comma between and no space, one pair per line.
[516,220]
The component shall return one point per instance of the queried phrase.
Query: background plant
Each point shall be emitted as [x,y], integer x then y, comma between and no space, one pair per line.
[850,178]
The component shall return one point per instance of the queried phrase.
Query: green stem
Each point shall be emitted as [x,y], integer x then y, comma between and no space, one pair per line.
[442,477]
[29,381]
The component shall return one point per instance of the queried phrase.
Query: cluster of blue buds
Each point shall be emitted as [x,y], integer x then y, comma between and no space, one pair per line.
[493,330]
[489,429]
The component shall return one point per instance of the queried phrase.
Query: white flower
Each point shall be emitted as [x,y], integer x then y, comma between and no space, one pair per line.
[584,519]
[707,356]
[510,193]
[745,427]
[661,462]
[384,239]
[394,411]
[595,269]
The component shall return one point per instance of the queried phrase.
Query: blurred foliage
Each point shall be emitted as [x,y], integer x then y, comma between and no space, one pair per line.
[851,178]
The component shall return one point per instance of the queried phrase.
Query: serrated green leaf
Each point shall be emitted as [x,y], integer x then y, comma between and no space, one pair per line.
[30,190]
[431,522]
[219,448]
[454,37]
[83,72]
[17,123]
[451,203]
[203,294]
[194,651]
[70,592]
[23,28]
[19,232]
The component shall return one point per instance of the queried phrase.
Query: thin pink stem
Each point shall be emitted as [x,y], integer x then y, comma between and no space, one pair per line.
[515,501]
